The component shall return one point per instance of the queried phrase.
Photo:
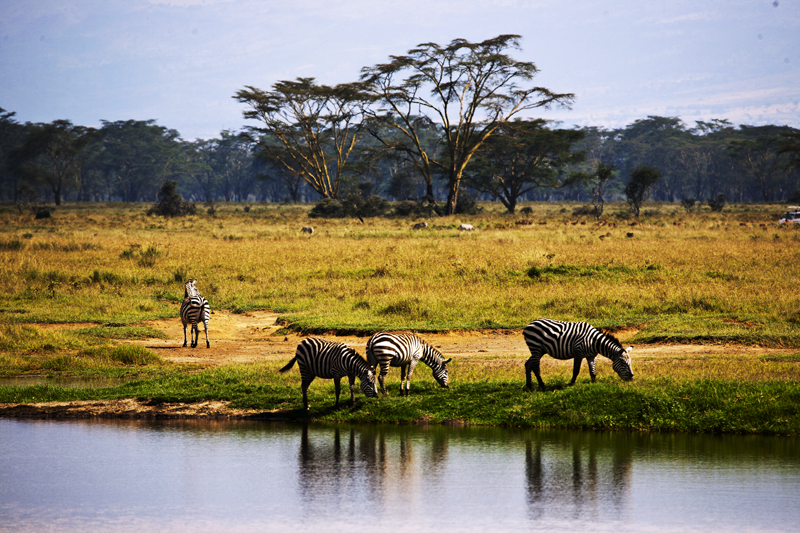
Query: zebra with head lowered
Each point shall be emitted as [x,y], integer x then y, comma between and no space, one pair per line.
[405,350]
[194,309]
[573,340]
[321,358]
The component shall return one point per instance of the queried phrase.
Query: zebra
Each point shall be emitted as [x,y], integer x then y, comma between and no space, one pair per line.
[405,350]
[321,358]
[194,309]
[573,340]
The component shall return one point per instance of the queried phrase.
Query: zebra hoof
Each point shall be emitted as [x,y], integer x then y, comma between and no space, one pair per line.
[208,345]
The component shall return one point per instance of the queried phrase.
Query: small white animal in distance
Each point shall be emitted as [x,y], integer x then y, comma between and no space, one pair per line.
[466,227]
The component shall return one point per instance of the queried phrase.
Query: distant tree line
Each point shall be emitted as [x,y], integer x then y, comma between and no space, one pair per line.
[435,129]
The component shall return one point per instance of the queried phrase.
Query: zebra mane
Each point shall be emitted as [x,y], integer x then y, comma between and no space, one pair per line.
[434,350]
[612,340]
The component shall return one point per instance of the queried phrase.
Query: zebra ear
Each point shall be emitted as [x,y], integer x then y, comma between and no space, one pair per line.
[628,349]
[447,361]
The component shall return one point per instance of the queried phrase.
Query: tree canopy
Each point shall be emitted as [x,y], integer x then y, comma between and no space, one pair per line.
[469,89]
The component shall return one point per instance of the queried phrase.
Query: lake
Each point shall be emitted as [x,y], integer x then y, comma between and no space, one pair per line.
[243,476]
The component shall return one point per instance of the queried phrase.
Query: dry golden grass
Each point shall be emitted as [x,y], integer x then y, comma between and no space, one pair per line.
[681,277]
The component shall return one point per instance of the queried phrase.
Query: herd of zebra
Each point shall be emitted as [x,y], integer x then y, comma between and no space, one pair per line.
[321,358]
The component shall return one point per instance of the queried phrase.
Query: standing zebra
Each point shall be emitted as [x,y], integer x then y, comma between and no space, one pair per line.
[194,309]
[573,340]
[405,350]
[321,358]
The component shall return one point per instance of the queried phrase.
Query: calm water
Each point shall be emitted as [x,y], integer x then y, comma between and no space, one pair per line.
[242,476]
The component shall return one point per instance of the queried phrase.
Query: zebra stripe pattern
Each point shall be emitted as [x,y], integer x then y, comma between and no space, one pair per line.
[194,309]
[573,340]
[405,350]
[321,358]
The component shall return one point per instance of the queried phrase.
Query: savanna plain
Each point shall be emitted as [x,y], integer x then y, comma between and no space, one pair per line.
[708,300]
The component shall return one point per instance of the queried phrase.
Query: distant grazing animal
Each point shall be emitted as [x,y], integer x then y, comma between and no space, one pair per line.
[420,225]
[307,229]
[466,227]
[405,350]
[573,340]
[194,309]
[321,358]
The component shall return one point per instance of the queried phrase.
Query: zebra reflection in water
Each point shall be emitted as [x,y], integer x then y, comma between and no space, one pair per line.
[574,475]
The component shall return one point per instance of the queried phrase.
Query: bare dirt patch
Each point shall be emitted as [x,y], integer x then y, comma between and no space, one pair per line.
[251,337]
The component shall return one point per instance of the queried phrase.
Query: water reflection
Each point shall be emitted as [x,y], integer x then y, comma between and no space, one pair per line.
[577,477]
[179,475]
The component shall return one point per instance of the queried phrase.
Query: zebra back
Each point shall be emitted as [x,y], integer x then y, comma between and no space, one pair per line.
[194,308]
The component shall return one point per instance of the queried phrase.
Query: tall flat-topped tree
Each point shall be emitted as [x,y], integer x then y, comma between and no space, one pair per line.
[470,89]
[307,128]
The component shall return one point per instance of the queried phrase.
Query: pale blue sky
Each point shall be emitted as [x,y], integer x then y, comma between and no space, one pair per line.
[180,61]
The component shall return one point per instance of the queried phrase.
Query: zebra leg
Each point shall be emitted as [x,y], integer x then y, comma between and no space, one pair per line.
[532,365]
[337,386]
[195,335]
[382,379]
[411,366]
[352,380]
[304,386]
[592,368]
[403,380]
[576,369]
[184,335]
[208,344]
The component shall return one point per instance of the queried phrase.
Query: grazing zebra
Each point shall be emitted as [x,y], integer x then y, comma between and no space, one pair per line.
[194,309]
[405,350]
[321,358]
[573,340]
[308,229]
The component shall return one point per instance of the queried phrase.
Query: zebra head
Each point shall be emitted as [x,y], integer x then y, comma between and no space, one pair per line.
[368,382]
[622,364]
[190,289]
[440,373]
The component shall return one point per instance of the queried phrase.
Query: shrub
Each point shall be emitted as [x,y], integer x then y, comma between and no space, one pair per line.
[689,204]
[171,203]
[718,203]
[466,205]
[327,208]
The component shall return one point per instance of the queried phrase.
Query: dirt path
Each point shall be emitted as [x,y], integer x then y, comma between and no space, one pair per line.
[250,337]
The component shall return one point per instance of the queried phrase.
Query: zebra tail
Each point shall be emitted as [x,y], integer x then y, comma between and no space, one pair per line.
[287,367]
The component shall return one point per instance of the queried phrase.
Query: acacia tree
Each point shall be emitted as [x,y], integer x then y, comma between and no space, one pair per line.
[638,188]
[602,175]
[316,127]
[468,89]
[521,156]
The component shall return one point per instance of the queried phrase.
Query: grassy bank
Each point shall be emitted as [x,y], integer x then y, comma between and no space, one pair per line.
[660,404]
[730,394]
